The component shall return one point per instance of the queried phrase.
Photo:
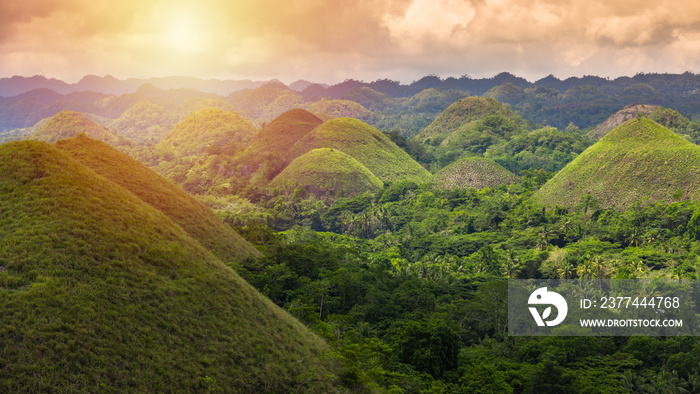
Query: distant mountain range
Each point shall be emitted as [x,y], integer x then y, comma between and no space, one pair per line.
[17,85]
[686,83]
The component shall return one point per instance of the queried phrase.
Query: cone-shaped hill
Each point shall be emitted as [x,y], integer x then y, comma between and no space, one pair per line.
[473,172]
[68,124]
[145,122]
[196,219]
[328,172]
[618,118]
[207,129]
[365,144]
[101,291]
[638,160]
[462,116]
[270,145]
[341,108]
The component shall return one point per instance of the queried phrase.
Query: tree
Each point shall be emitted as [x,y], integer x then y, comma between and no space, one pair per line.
[430,347]
[511,266]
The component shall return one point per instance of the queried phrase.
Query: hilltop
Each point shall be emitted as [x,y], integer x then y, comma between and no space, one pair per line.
[207,130]
[367,145]
[328,172]
[145,122]
[101,291]
[473,172]
[197,220]
[68,124]
[341,108]
[618,118]
[462,117]
[266,151]
[640,160]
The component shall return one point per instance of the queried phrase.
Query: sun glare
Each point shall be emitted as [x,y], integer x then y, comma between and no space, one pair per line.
[183,32]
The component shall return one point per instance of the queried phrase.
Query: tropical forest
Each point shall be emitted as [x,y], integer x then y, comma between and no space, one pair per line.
[180,235]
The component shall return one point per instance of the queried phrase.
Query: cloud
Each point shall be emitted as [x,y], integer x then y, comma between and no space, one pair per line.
[366,39]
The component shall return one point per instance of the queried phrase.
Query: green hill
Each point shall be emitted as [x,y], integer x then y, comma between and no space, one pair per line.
[265,153]
[506,93]
[68,124]
[197,220]
[365,144]
[328,172]
[462,116]
[193,104]
[145,122]
[256,101]
[620,117]
[342,108]
[207,130]
[473,172]
[638,160]
[99,291]
[281,104]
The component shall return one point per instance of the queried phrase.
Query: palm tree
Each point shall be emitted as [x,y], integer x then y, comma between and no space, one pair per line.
[566,228]
[566,270]
[599,264]
[585,268]
[511,266]
[543,240]
[634,237]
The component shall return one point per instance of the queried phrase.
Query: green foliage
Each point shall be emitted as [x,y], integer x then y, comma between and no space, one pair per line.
[461,116]
[109,285]
[198,221]
[269,147]
[365,144]
[429,347]
[68,124]
[639,161]
[207,128]
[145,123]
[473,172]
[342,109]
[328,173]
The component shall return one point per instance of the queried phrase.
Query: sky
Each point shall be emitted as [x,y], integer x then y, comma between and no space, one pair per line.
[331,40]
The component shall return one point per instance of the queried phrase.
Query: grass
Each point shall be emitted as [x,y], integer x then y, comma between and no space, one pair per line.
[618,118]
[267,150]
[328,172]
[99,291]
[207,128]
[342,108]
[365,144]
[68,124]
[197,220]
[145,122]
[638,161]
[473,172]
[463,114]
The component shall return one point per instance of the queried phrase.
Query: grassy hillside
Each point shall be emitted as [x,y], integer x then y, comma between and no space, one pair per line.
[461,116]
[145,122]
[638,160]
[473,172]
[620,117]
[265,152]
[206,130]
[99,291]
[365,144]
[68,124]
[328,172]
[342,108]
[197,220]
